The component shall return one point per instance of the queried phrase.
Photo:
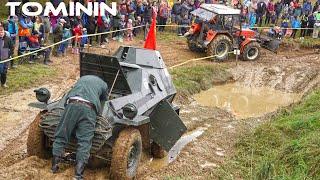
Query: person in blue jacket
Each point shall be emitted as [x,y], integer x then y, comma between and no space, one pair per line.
[295,23]
[12,28]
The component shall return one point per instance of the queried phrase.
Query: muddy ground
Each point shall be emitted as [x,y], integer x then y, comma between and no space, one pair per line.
[290,70]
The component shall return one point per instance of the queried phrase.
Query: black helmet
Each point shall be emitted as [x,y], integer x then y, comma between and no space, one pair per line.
[42,95]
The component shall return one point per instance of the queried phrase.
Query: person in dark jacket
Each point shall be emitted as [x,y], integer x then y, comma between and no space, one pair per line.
[261,10]
[91,28]
[304,24]
[176,11]
[57,36]
[278,9]
[6,51]
[84,102]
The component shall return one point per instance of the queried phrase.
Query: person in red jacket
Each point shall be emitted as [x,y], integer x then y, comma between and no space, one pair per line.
[270,11]
[76,31]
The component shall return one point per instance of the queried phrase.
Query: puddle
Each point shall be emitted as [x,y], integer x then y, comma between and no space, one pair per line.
[175,150]
[245,102]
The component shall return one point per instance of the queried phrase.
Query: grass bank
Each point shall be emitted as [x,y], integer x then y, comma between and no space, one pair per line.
[193,79]
[288,147]
[302,43]
[27,76]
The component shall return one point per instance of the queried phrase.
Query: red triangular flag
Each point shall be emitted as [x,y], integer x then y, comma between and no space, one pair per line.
[151,38]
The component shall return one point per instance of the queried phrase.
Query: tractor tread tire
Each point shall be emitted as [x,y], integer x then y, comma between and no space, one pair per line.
[214,43]
[246,49]
[36,140]
[157,151]
[192,45]
[120,151]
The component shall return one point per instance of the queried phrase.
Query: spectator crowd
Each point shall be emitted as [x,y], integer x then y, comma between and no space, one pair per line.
[31,33]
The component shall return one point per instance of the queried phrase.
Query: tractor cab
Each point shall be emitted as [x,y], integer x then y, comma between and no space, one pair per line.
[218,31]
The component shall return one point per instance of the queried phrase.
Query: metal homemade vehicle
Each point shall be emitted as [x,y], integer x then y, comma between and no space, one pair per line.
[218,31]
[139,114]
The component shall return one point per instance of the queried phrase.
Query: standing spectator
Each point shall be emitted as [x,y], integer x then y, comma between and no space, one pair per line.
[163,15]
[297,11]
[84,39]
[13,30]
[77,32]
[285,26]
[278,8]
[307,7]
[116,26]
[53,21]
[304,24]
[24,30]
[101,25]
[184,22]
[39,28]
[270,11]
[139,8]
[57,36]
[130,30]
[66,34]
[138,22]
[147,17]
[295,25]
[176,11]
[47,27]
[311,22]
[261,10]
[252,20]
[6,51]
[91,27]
[122,26]
[316,29]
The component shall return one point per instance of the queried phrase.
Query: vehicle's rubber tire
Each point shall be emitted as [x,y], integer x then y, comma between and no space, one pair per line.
[157,151]
[192,44]
[220,41]
[251,51]
[128,144]
[36,140]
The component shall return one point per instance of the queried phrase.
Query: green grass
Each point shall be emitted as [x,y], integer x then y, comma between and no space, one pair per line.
[304,43]
[191,80]
[27,76]
[288,147]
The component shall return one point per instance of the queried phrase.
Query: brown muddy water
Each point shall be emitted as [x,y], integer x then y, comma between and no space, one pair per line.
[245,102]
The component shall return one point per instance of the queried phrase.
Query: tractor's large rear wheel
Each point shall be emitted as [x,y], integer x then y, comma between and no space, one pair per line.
[251,51]
[126,154]
[219,47]
[36,140]
[192,43]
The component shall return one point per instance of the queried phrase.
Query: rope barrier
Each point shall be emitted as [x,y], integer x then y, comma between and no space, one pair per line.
[109,32]
[68,39]
[196,59]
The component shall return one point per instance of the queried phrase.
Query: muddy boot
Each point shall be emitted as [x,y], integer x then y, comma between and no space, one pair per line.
[79,169]
[55,164]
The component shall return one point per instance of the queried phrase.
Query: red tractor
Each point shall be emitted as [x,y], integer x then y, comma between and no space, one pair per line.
[218,31]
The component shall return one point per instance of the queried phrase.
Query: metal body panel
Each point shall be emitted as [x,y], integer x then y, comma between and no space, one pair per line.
[166,126]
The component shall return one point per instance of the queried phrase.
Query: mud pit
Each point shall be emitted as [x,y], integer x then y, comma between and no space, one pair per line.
[297,72]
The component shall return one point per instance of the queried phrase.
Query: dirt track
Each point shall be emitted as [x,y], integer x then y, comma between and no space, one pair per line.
[287,71]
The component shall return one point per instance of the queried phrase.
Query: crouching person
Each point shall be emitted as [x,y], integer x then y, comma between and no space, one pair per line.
[84,101]
[6,51]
